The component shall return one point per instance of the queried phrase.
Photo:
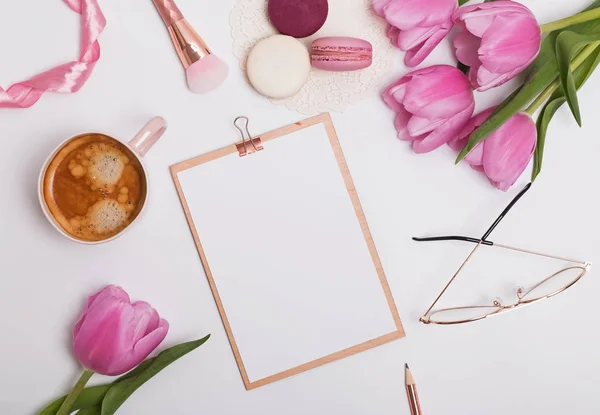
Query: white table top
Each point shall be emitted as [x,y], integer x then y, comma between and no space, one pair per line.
[542,359]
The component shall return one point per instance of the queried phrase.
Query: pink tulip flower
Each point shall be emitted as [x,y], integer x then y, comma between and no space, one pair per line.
[417,26]
[506,153]
[113,335]
[433,105]
[497,40]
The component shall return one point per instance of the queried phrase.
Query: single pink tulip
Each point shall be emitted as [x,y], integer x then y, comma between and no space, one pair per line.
[113,335]
[433,105]
[506,153]
[497,40]
[417,26]
[475,156]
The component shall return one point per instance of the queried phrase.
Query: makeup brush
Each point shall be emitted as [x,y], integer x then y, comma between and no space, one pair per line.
[203,69]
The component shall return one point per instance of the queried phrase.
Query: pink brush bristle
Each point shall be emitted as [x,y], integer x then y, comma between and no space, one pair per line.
[206,74]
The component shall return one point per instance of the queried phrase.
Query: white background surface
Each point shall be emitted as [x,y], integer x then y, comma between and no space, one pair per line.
[541,360]
[287,253]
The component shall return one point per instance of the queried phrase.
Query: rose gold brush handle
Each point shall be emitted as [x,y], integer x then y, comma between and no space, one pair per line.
[168,11]
[188,44]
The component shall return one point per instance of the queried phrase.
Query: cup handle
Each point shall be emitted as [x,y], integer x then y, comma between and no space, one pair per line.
[148,136]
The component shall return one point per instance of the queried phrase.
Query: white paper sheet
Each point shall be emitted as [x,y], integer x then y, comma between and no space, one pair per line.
[287,253]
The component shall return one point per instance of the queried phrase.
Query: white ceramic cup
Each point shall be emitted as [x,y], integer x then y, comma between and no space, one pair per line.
[139,146]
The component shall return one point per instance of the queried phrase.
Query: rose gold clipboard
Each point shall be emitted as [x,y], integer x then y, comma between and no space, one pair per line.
[246,148]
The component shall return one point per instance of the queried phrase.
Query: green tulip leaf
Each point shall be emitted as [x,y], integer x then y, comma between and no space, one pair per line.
[92,410]
[580,76]
[89,397]
[540,74]
[508,99]
[137,371]
[93,396]
[462,2]
[568,44]
[542,127]
[123,389]
[583,73]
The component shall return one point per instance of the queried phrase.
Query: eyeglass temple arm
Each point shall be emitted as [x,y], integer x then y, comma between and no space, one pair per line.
[483,239]
[490,243]
[505,211]
[453,238]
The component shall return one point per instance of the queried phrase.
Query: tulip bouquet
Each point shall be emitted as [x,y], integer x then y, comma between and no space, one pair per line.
[112,337]
[494,42]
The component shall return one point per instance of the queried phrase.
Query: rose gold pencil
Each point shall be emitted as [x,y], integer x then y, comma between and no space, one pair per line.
[411,391]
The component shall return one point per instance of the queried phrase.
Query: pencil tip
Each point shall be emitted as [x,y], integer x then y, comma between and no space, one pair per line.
[406,366]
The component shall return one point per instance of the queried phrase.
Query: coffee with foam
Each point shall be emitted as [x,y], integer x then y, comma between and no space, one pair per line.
[94,187]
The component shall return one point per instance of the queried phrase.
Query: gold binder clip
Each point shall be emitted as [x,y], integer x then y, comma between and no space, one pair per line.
[248,145]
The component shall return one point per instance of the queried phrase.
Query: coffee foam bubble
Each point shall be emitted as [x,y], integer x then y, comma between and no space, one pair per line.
[105,216]
[106,164]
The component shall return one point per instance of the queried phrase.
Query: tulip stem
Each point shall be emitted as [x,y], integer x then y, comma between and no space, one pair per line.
[575,63]
[572,20]
[65,408]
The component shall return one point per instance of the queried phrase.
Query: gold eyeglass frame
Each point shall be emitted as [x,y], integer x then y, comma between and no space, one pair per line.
[497,307]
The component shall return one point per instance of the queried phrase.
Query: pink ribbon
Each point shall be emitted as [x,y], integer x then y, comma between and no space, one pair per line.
[69,77]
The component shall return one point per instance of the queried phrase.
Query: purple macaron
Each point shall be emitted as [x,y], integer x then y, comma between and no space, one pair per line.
[341,54]
[298,18]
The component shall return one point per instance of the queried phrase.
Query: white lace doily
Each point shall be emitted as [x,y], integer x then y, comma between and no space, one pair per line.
[324,91]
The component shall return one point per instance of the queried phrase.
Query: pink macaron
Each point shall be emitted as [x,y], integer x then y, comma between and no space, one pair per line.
[341,54]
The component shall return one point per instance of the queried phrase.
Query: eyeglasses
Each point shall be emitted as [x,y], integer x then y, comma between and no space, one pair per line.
[547,288]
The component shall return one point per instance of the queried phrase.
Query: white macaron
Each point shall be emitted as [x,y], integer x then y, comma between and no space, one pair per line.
[278,66]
